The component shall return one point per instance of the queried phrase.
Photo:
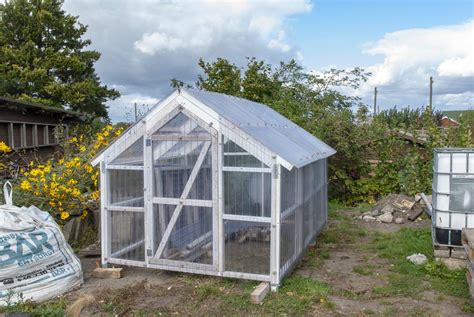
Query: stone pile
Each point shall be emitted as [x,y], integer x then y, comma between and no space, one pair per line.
[396,208]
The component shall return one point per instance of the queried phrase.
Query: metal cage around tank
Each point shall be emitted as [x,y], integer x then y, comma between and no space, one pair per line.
[453,195]
[212,184]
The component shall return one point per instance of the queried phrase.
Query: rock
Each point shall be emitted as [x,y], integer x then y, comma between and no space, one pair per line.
[399,221]
[368,218]
[417,258]
[386,217]
[374,213]
[407,204]
[387,209]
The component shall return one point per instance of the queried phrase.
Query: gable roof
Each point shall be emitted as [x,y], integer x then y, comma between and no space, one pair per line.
[271,129]
[278,134]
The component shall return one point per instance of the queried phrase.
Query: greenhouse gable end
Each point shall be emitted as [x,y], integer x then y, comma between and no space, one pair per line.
[213,184]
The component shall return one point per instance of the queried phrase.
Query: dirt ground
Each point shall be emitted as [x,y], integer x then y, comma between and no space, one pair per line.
[352,273]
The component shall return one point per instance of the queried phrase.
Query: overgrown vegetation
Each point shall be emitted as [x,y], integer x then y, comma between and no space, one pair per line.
[391,152]
[66,185]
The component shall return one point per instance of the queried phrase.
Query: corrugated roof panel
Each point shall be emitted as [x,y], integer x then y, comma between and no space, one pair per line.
[279,134]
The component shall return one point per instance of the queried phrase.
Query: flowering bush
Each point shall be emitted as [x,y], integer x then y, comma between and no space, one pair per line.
[4,149]
[67,186]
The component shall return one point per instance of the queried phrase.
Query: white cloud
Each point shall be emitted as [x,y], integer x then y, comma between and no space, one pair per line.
[158,41]
[279,43]
[204,24]
[411,56]
[455,101]
[144,44]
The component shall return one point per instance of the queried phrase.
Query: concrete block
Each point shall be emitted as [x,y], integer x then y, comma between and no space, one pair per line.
[458,253]
[441,253]
[452,263]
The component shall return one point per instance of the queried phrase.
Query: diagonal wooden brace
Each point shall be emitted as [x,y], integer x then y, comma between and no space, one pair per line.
[184,195]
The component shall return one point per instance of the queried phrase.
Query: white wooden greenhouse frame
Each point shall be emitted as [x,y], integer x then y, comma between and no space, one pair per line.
[212,184]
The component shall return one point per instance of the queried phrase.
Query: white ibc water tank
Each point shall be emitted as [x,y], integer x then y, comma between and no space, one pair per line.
[453,194]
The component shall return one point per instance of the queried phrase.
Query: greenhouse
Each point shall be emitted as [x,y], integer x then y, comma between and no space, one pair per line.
[212,184]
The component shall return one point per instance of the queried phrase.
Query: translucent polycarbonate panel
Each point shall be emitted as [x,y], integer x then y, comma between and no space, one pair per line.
[267,127]
[125,188]
[247,247]
[247,193]
[289,187]
[173,163]
[181,124]
[304,210]
[133,155]
[288,239]
[191,236]
[236,156]
[127,235]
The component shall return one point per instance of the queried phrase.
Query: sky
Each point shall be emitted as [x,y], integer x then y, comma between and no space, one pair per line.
[402,43]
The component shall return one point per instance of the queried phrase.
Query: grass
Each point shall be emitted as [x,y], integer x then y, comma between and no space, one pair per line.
[407,278]
[298,295]
[363,270]
[48,309]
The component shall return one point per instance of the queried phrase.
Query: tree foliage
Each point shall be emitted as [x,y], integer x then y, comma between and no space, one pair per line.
[43,57]
[389,153]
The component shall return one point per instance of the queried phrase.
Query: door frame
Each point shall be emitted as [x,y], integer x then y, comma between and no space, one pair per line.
[150,200]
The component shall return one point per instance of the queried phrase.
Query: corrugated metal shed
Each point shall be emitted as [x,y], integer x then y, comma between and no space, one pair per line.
[271,129]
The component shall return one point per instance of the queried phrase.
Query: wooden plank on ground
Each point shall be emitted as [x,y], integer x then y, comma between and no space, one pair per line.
[115,272]
[417,211]
[259,293]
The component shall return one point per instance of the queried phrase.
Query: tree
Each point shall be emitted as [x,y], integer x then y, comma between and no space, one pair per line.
[221,76]
[314,101]
[43,58]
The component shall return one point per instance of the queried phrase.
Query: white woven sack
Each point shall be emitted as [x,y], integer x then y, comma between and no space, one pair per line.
[36,263]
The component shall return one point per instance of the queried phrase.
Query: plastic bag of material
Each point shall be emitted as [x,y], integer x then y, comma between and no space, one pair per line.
[36,263]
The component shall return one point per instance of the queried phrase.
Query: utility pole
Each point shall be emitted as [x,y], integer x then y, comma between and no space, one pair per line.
[136,115]
[431,94]
[375,101]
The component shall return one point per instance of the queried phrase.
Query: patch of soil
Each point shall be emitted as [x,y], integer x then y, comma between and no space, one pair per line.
[352,272]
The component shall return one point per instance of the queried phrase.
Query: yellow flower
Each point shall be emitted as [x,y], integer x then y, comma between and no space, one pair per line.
[64,215]
[73,140]
[4,148]
[76,192]
[95,195]
[89,169]
[25,185]
[84,214]
[82,148]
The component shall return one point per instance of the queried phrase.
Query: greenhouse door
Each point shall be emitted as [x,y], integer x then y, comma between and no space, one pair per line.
[184,213]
